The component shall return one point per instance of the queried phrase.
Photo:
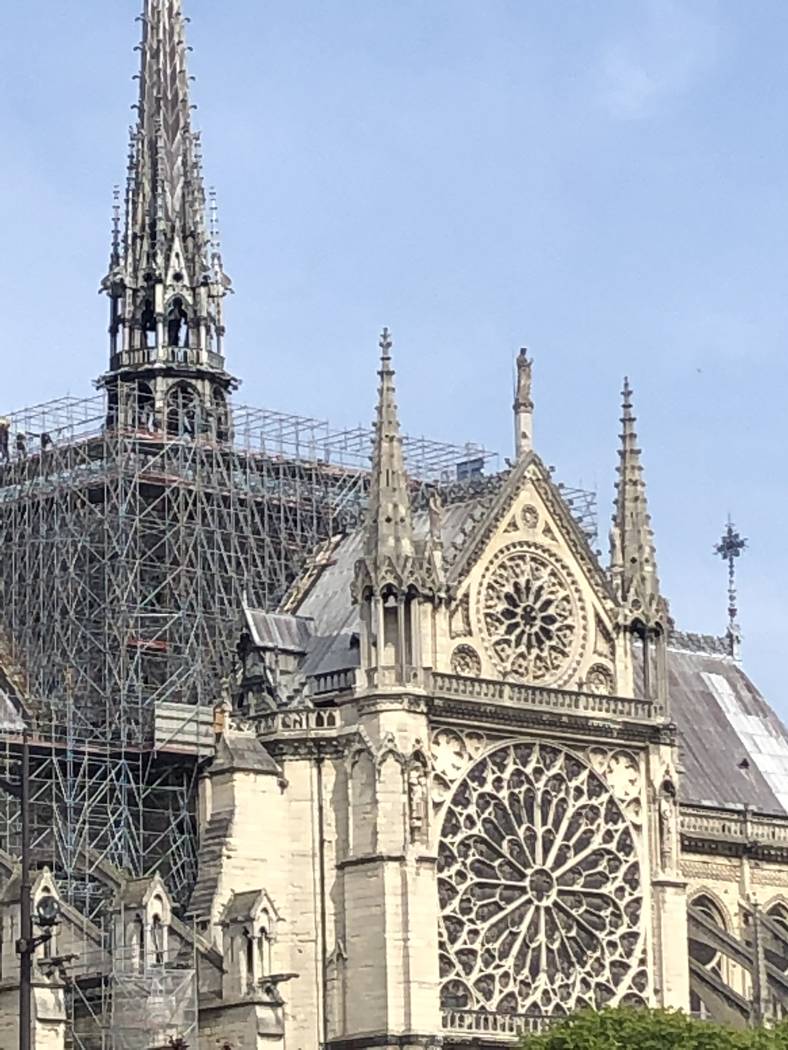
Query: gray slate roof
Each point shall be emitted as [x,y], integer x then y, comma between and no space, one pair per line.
[733,747]
[241,752]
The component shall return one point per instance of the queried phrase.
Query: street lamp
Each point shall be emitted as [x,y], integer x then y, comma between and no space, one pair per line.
[48,910]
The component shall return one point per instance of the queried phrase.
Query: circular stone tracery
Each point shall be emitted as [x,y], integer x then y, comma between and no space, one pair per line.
[532,615]
[540,888]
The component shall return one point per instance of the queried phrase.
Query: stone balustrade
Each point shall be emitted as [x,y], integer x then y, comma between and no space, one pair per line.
[300,722]
[166,355]
[562,700]
[506,1027]
[744,826]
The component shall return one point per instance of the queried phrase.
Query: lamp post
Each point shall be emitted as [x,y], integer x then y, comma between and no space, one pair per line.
[48,910]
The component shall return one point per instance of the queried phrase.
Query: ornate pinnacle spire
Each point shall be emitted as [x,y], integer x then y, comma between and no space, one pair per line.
[166,281]
[389,530]
[633,557]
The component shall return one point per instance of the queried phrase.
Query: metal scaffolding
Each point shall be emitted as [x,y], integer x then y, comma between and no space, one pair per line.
[126,556]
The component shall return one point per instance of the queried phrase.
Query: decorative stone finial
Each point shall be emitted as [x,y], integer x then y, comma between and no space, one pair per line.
[385,343]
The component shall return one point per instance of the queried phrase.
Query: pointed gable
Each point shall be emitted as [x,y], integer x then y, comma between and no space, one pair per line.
[530,601]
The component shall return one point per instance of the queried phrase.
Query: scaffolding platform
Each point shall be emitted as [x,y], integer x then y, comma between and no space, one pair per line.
[128,553]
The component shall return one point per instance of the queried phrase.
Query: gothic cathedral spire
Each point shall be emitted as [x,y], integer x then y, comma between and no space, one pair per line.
[633,559]
[396,572]
[166,281]
[389,529]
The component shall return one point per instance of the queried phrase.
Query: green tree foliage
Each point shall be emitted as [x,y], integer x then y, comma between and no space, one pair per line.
[651,1030]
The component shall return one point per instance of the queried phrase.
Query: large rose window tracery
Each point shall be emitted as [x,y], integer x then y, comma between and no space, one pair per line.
[532,615]
[540,888]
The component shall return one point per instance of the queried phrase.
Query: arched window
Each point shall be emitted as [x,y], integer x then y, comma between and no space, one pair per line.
[112,407]
[709,958]
[138,944]
[221,414]
[777,953]
[157,940]
[265,946]
[702,953]
[144,408]
[183,411]
[148,324]
[177,324]
[249,959]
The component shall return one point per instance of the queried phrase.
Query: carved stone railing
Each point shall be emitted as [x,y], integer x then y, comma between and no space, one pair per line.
[299,723]
[738,828]
[506,1027]
[562,700]
[168,355]
[333,682]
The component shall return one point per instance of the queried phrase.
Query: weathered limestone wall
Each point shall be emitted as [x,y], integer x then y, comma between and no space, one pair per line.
[257,836]
[49,1018]
[385,979]
[246,1026]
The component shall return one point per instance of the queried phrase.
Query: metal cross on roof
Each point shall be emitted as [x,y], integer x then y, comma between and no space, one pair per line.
[729,549]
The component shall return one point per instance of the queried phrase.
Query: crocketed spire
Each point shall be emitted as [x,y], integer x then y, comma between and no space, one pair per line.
[389,529]
[166,281]
[633,557]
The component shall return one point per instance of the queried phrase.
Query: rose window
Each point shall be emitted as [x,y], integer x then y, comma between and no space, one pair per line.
[540,888]
[532,615]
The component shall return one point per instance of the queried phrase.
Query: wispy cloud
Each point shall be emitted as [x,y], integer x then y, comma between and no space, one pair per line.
[663,56]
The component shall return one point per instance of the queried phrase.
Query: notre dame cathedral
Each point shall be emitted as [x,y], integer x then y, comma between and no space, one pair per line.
[457,778]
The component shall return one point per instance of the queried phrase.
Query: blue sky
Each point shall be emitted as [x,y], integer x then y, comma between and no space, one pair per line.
[605,183]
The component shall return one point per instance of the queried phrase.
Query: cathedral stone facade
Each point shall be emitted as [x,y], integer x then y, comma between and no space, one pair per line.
[465,779]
